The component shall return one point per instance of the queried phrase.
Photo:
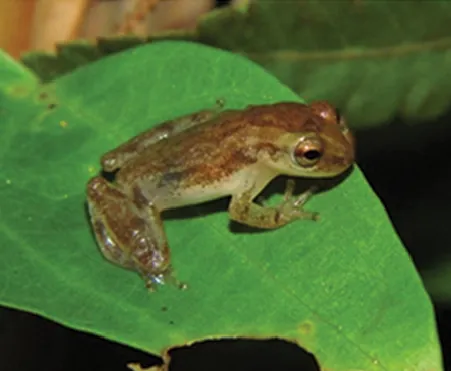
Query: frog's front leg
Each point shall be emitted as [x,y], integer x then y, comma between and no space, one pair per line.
[114,159]
[130,233]
[242,209]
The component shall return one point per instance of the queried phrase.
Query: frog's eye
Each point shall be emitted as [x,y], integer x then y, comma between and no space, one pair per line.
[308,152]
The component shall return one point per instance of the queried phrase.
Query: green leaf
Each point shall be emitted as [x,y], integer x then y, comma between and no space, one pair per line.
[373,59]
[343,288]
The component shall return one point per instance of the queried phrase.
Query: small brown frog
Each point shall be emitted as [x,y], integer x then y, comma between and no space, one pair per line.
[208,155]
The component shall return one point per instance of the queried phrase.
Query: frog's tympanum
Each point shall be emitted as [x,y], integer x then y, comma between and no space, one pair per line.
[208,155]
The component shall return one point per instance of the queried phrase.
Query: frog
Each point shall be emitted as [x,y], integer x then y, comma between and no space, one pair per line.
[206,155]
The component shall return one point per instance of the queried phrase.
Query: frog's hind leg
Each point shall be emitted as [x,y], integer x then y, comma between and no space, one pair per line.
[129,235]
[114,159]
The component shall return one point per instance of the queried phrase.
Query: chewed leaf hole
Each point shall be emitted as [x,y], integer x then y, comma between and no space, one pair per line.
[242,355]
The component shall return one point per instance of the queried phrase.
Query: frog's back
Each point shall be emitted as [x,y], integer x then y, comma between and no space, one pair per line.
[213,152]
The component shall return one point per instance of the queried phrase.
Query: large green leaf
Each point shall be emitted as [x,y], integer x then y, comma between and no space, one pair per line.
[373,59]
[343,288]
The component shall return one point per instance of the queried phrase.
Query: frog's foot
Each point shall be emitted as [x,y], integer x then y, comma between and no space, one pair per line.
[128,234]
[291,209]
[167,277]
[243,210]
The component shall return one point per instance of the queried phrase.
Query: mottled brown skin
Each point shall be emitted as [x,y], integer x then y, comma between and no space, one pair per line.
[202,156]
[209,155]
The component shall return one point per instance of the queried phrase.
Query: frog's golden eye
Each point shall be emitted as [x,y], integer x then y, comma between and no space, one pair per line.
[308,152]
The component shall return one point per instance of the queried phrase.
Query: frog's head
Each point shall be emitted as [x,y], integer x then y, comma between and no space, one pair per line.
[320,146]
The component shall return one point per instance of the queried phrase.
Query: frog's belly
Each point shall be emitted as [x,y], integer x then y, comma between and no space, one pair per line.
[191,197]
[198,194]
[169,197]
